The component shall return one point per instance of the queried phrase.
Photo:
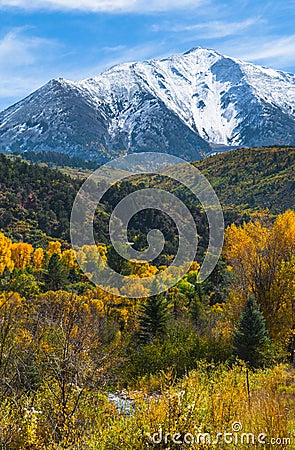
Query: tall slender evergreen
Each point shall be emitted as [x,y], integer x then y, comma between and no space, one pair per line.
[56,273]
[250,339]
[153,318]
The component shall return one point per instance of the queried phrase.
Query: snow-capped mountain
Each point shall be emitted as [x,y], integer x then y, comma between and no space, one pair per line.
[183,105]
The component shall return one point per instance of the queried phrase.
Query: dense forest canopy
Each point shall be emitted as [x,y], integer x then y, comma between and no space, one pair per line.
[36,200]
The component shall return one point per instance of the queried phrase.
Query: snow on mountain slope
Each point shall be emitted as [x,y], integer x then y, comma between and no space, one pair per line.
[179,105]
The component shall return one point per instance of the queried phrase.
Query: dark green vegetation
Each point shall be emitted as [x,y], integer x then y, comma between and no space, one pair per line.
[58,159]
[36,200]
[253,179]
[153,318]
[250,338]
[249,180]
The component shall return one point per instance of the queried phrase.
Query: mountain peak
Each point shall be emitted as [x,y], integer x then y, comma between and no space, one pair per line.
[198,49]
[182,105]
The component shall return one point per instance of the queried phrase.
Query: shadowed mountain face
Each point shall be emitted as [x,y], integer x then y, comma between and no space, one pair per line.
[181,105]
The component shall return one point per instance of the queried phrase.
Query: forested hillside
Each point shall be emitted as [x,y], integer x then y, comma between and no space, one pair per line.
[253,178]
[36,200]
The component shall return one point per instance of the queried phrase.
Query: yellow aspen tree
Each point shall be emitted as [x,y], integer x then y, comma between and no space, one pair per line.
[5,253]
[53,247]
[142,269]
[21,254]
[11,315]
[38,258]
[102,250]
[68,257]
[257,254]
[283,235]
[91,257]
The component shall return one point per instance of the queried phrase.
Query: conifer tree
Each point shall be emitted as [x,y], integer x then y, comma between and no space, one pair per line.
[153,318]
[56,273]
[250,338]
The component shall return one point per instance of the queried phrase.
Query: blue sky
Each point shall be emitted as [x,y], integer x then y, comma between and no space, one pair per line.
[44,39]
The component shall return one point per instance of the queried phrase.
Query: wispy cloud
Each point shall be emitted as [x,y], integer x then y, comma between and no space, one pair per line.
[212,29]
[116,6]
[17,49]
[280,48]
[21,59]
[122,54]
[272,51]
[26,63]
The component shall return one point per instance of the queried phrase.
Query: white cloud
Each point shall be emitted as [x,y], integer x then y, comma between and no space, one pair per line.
[16,49]
[119,55]
[21,59]
[273,51]
[26,63]
[116,6]
[212,29]
[281,48]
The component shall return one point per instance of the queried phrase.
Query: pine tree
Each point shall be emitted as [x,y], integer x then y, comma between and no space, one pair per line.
[250,338]
[56,273]
[153,318]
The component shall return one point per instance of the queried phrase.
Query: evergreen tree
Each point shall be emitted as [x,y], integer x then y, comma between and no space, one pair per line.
[56,273]
[153,318]
[250,339]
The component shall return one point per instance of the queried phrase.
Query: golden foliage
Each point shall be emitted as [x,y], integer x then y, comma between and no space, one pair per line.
[21,254]
[68,257]
[5,253]
[53,247]
[91,257]
[38,258]
[260,257]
